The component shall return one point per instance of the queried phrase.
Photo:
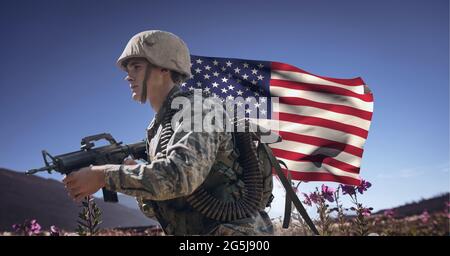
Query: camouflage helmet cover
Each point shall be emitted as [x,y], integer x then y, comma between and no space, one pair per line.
[160,48]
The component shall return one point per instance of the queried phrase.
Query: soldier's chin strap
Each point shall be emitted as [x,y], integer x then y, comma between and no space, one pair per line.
[144,84]
[289,191]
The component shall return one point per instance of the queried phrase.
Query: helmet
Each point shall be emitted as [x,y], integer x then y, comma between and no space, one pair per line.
[160,48]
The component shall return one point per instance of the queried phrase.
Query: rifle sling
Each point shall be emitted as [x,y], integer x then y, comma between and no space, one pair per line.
[289,191]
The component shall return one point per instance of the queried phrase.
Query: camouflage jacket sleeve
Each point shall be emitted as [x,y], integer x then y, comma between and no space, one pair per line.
[190,156]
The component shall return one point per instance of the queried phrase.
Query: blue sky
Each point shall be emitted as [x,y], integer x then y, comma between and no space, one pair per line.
[59,81]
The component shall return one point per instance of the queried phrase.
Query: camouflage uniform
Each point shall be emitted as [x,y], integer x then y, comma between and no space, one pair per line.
[161,186]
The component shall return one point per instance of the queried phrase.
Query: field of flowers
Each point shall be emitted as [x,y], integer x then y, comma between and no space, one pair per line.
[333,219]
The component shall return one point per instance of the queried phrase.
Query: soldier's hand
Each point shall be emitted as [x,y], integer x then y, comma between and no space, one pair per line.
[84,182]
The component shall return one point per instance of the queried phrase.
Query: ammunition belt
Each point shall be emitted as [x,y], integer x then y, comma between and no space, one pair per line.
[247,205]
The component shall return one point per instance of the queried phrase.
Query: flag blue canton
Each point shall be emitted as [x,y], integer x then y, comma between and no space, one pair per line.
[233,79]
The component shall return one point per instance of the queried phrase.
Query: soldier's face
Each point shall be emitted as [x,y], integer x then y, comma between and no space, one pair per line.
[136,69]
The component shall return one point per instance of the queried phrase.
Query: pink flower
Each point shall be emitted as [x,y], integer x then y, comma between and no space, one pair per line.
[33,227]
[27,228]
[327,193]
[366,212]
[315,198]
[307,200]
[424,217]
[347,189]
[364,186]
[17,227]
[389,213]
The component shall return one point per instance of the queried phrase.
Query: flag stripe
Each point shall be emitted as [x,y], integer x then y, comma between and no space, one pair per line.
[316,167]
[277,91]
[319,158]
[318,112]
[315,176]
[320,142]
[322,132]
[310,79]
[320,88]
[330,107]
[317,121]
[286,67]
[308,149]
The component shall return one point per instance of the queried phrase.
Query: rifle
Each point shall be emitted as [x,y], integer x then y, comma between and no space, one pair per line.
[114,153]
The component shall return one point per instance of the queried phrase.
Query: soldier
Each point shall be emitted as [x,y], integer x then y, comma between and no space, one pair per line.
[193,183]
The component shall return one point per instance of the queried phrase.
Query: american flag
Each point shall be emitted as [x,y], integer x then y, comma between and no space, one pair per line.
[323,122]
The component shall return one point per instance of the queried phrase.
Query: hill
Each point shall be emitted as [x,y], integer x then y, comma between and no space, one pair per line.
[46,200]
[432,205]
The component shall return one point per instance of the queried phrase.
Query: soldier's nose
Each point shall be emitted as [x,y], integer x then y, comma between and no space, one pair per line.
[128,78]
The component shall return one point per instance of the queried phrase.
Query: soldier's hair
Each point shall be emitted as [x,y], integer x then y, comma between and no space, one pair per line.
[177,78]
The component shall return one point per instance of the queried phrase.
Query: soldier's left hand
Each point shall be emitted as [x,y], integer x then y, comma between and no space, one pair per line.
[84,182]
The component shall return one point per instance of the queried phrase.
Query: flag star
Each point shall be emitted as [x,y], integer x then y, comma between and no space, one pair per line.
[248,111]
[191,76]
[199,84]
[215,63]
[215,73]
[191,88]
[224,90]
[206,76]
[230,87]
[199,61]
[245,76]
[254,82]
[207,67]
[262,100]
[236,70]
[256,94]
[260,65]
[260,77]
[246,65]
[257,105]
[239,92]
[183,84]
[230,97]
[224,80]
[239,103]
[263,111]
[215,84]
[207,89]
[197,70]
[228,63]
[248,99]
[254,71]
[223,68]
